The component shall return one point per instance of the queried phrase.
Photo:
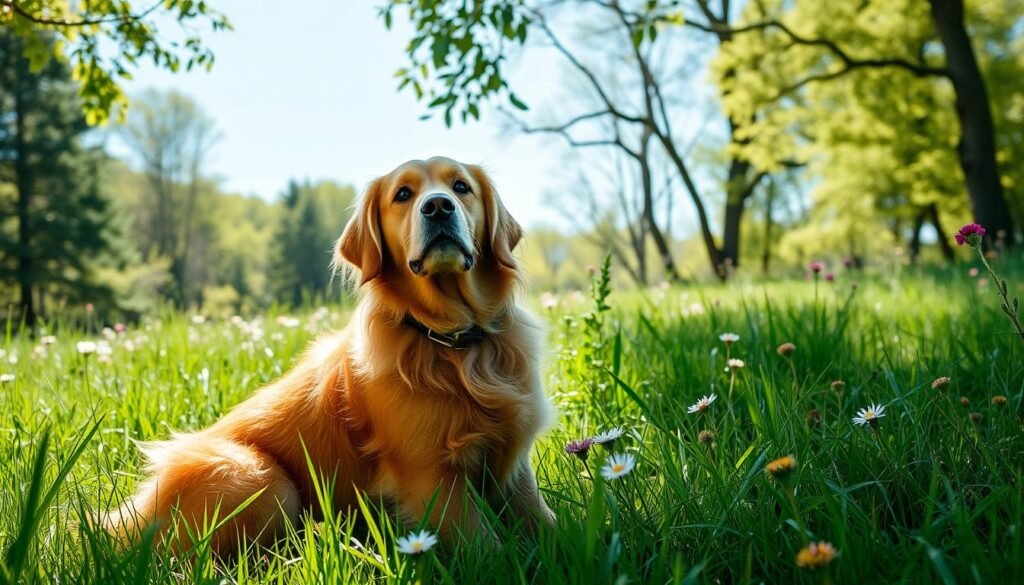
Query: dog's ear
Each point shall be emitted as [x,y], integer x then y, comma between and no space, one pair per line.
[503,232]
[360,245]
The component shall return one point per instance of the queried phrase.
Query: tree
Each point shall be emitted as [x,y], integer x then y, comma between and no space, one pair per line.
[813,43]
[48,184]
[92,29]
[171,138]
[300,248]
[456,59]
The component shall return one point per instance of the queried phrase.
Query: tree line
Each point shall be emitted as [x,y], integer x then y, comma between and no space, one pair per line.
[82,230]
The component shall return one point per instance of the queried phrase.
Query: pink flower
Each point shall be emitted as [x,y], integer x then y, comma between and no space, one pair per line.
[88,307]
[847,262]
[817,267]
[973,272]
[829,277]
[969,234]
[579,448]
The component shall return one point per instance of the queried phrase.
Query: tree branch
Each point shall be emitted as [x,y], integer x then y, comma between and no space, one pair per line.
[918,69]
[13,5]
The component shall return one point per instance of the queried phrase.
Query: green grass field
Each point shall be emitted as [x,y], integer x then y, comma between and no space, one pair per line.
[931,493]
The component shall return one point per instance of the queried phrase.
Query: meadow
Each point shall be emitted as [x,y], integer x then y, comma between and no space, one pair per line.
[928,491]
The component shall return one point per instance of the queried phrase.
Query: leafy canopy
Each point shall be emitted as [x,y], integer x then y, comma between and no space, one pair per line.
[103,40]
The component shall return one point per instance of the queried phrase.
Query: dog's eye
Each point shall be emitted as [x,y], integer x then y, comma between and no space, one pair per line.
[404,194]
[461,187]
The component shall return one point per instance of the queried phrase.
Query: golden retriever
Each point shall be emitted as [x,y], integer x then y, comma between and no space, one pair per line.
[434,385]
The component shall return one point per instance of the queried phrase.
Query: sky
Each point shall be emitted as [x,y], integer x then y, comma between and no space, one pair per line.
[306,89]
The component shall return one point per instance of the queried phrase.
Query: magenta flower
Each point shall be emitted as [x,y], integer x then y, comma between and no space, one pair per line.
[579,448]
[829,277]
[969,234]
[817,267]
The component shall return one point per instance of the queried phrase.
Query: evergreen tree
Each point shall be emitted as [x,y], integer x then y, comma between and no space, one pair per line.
[299,249]
[56,220]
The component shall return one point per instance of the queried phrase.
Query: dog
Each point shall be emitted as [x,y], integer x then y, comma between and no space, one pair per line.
[433,386]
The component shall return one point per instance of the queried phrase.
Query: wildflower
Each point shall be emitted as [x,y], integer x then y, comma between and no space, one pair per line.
[5,378]
[816,555]
[735,364]
[838,385]
[607,438]
[970,234]
[869,415]
[702,405]
[706,436]
[548,300]
[89,307]
[288,322]
[999,400]
[120,327]
[48,340]
[973,272]
[940,383]
[416,542]
[965,402]
[618,465]
[579,448]
[847,262]
[813,417]
[829,277]
[786,349]
[781,468]
[86,347]
[729,338]
[817,267]
[975,417]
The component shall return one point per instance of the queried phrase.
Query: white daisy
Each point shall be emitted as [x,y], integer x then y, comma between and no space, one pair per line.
[702,405]
[609,436]
[548,300]
[5,378]
[48,339]
[729,338]
[416,542]
[869,415]
[618,465]
[86,347]
[735,364]
[288,322]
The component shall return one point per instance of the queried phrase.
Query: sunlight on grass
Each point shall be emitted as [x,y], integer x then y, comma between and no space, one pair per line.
[882,443]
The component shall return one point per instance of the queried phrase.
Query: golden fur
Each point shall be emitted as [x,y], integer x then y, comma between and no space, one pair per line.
[378,406]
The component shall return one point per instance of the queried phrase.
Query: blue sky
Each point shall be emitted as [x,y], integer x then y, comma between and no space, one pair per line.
[307,89]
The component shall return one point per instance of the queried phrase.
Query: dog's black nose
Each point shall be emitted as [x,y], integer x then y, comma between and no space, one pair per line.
[438,207]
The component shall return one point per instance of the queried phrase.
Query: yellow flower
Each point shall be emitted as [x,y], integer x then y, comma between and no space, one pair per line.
[816,555]
[781,467]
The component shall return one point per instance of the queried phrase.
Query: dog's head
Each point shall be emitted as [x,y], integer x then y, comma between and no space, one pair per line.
[433,223]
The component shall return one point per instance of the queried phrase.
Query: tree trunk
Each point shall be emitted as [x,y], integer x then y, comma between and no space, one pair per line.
[25,185]
[768,205]
[735,201]
[976,149]
[944,245]
[648,210]
[915,236]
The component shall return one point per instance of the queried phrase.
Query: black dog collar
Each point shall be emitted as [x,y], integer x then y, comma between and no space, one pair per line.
[456,339]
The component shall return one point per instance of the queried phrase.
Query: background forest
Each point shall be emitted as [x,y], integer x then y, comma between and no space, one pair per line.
[859,132]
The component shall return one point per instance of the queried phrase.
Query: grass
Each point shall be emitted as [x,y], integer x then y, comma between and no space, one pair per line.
[927,495]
